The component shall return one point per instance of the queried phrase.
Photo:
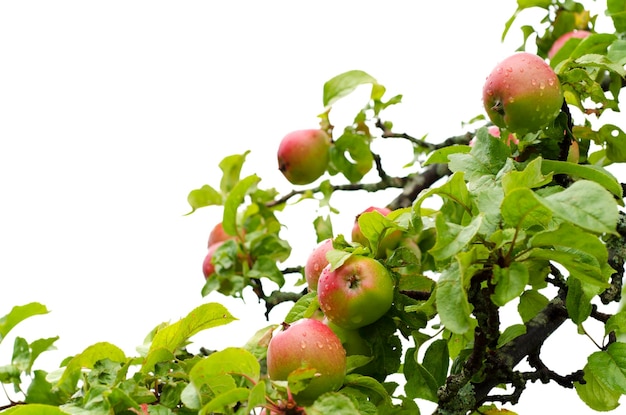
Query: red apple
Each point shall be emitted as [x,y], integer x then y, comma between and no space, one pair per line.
[303,155]
[522,94]
[495,131]
[208,268]
[390,240]
[357,293]
[558,44]
[316,262]
[307,343]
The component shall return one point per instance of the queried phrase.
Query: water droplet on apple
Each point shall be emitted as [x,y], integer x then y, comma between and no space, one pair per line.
[509,69]
[302,345]
[533,82]
[320,345]
[551,82]
[356,319]
[499,69]
[542,85]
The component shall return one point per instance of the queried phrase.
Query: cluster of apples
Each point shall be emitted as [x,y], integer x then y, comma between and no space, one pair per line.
[352,295]
[217,237]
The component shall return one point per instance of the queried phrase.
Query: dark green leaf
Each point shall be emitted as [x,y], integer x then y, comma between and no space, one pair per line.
[510,282]
[590,172]
[333,403]
[437,360]
[511,333]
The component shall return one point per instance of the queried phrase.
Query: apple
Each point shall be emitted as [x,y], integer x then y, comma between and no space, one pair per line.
[522,94]
[208,268]
[390,240]
[219,235]
[316,262]
[307,343]
[562,40]
[303,155]
[355,294]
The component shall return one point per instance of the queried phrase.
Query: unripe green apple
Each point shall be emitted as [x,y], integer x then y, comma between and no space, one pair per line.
[558,44]
[316,262]
[390,240]
[307,343]
[522,94]
[357,293]
[303,155]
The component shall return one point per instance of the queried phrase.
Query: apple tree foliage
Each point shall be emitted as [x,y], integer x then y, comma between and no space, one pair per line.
[536,225]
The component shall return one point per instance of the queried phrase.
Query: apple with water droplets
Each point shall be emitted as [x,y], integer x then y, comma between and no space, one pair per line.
[307,343]
[316,262]
[357,293]
[303,155]
[522,94]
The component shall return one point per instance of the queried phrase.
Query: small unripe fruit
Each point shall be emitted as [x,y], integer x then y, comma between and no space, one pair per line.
[308,343]
[522,94]
[316,262]
[390,240]
[495,131]
[303,155]
[218,235]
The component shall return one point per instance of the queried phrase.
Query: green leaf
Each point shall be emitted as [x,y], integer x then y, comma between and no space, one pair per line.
[525,4]
[441,155]
[510,282]
[575,264]
[616,9]
[453,238]
[585,204]
[610,366]
[323,228]
[333,403]
[437,360]
[38,347]
[487,157]
[590,172]
[523,209]
[234,200]
[203,197]
[616,323]
[203,317]
[343,84]
[225,400]
[231,168]
[40,391]
[531,303]
[360,160]
[34,409]
[305,307]
[368,384]
[595,393]
[530,177]
[578,300]
[420,383]
[19,314]
[570,236]
[452,303]
[510,333]
[615,140]
[87,359]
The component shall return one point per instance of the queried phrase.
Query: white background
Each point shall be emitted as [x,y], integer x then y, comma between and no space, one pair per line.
[111,112]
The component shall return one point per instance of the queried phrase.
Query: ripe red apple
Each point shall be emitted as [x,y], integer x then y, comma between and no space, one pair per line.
[303,155]
[495,131]
[390,241]
[316,262]
[558,44]
[522,93]
[307,343]
[357,293]
[207,265]
[219,235]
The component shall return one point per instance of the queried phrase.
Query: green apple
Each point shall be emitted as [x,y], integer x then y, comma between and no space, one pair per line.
[307,343]
[357,293]
[522,94]
[303,155]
